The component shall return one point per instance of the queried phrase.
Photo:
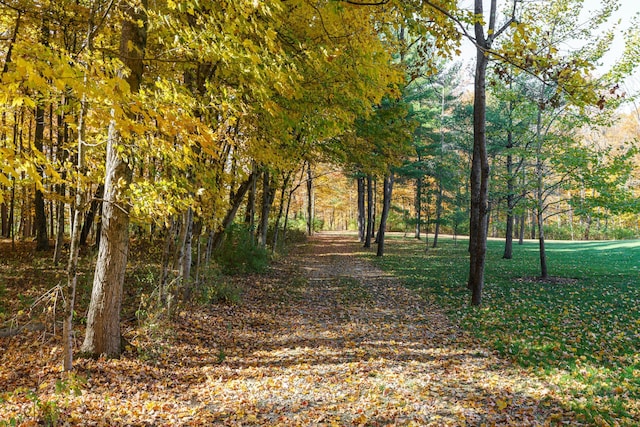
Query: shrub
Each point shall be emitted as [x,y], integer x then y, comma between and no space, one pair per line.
[221,291]
[240,254]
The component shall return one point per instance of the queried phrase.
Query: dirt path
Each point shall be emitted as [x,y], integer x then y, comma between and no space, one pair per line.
[351,346]
[325,339]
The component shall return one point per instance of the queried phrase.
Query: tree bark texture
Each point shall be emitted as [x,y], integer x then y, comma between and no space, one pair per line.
[369,230]
[236,200]
[386,205]
[479,168]
[268,193]
[309,200]
[361,209]
[103,321]
[418,205]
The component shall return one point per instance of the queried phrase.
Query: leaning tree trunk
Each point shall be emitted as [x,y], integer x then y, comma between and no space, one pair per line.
[102,334]
[235,201]
[386,205]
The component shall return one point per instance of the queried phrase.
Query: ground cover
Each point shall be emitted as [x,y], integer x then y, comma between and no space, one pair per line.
[579,330]
[323,338]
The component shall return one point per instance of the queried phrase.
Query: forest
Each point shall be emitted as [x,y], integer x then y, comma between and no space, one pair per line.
[174,165]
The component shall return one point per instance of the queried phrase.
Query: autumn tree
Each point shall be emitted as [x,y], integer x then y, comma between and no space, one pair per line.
[103,334]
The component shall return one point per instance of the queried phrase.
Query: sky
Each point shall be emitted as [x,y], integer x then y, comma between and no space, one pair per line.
[620,21]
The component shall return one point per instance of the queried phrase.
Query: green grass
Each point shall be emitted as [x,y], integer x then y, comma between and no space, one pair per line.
[581,334]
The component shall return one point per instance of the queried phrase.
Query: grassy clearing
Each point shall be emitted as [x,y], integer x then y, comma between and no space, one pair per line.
[580,332]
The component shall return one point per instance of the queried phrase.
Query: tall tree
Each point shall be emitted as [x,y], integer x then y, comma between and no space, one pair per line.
[480,160]
[103,334]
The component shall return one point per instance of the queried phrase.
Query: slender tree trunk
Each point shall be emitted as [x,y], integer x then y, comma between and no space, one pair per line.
[42,238]
[479,170]
[367,237]
[169,242]
[235,202]
[186,256]
[61,154]
[250,213]
[361,209]
[310,203]
[268,192]
[12,205]
[540,196]
[373,214]
[74,250]
[90,216]
[436,231]
[103,321]
[276,228]
[418,205]
[181,232]
[386,205]
[60,207]
[4,214]
[508,244]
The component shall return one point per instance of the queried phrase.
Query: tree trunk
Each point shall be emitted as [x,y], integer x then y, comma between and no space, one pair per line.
[361,209]
[309,200]
[103,321]
[186,255]
[4,214]
[436,231]
[89,217]
[268,192]
[540,194]
[169,242]
[479,169]
[74,251]
[508,243]
[250,213]
[235,202]
[276,227]
[367,237]
[60,207]
[42,238]
[418,206]
[386,205]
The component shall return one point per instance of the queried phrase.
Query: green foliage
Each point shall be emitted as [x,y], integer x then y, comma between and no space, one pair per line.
[239,253]
[578,330]
[220,291]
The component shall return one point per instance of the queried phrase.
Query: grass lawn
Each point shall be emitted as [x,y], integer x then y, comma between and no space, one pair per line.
[580,332]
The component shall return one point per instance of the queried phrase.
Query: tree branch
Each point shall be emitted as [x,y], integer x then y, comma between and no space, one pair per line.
[366,3]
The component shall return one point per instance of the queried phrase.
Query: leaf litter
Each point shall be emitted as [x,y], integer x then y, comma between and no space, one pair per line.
[323,339]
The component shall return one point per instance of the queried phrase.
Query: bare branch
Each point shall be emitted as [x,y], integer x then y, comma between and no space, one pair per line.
[366,3]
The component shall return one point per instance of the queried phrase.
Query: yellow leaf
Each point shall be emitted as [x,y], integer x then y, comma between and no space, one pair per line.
[501,404]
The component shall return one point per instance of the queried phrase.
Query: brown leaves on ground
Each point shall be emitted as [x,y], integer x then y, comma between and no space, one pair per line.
[324,339]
